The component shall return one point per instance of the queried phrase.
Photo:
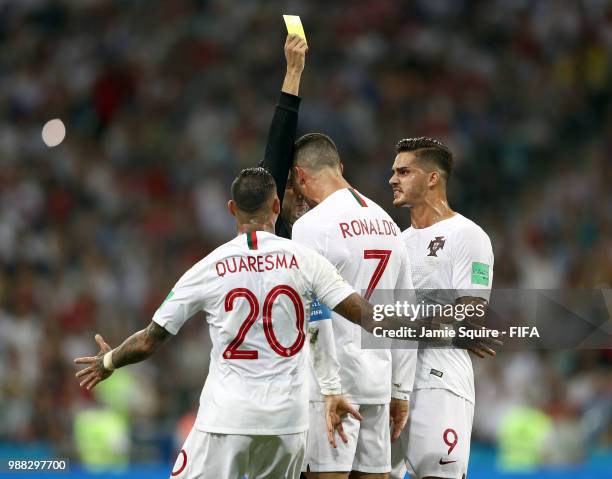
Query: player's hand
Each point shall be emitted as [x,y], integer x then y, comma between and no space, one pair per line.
[398,417]
[295,53]
[336,407]
[95,372]
[481,347]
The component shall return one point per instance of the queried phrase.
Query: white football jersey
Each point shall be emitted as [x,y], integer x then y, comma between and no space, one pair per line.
[364,244]
[256,292]
[453,257]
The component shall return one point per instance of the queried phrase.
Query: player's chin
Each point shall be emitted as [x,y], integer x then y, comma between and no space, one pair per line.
[399,201]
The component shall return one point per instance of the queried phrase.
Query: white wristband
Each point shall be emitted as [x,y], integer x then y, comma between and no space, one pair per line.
[107,361]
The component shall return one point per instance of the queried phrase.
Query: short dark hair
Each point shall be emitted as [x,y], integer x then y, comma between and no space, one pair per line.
[428,149]
[252,188]
[316,151]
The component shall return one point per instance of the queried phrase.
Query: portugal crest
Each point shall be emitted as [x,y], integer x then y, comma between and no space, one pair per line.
[436,245]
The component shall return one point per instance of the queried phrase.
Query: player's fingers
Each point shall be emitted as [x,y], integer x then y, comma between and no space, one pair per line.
[103,346]
[95,380]
[82,372]
[487,350]
[85,360]
[331,437]
[354,412]
[342,434]
[86,380]
[399,421]
[395,432]
[330,429]
[477,352]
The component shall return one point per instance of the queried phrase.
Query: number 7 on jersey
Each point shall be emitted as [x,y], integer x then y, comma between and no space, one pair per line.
[382,255]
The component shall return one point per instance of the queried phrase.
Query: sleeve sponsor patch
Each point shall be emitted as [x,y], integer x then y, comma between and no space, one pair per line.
[319,311]
[480,273]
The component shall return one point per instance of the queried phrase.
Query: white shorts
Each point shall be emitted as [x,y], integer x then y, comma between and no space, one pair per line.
[436,440]
[368,449]
[207,455]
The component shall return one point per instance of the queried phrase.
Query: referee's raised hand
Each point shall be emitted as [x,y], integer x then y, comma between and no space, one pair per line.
[295,53]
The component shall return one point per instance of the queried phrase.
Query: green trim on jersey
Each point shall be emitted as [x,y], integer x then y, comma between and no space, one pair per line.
[358,198]
[252,239]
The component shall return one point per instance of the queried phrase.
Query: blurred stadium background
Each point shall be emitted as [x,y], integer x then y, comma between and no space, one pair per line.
[164,102]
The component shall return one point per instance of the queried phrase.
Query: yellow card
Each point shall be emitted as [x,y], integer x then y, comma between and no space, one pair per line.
[294,25]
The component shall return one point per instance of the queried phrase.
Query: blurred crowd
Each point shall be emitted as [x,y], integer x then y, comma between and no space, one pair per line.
[164,102]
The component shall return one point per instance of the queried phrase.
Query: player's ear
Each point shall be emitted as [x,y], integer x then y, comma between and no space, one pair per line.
[299,175]
[276,206]
[231,206]
[342,168]
[434,178]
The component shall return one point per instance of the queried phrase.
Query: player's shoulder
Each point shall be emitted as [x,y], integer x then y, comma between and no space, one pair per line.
[375,207]
[224,250]
[312,221]
[466,227]
[304,221]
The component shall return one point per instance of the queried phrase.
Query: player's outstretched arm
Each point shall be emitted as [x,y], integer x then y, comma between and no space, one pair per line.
[138,347]
[358,311]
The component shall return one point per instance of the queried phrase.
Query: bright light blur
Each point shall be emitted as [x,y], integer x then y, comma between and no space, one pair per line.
[54,132]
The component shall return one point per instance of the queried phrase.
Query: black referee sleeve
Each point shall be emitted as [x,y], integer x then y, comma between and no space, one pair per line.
[281,137]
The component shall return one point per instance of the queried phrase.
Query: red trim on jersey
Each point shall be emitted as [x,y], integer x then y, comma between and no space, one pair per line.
[184,454]
[359,199]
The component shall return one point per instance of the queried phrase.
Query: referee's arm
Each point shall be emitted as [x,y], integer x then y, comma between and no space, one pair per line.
[281,136]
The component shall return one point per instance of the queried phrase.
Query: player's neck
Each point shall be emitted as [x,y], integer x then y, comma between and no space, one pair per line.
[255,226]
[328,187]
[430,212]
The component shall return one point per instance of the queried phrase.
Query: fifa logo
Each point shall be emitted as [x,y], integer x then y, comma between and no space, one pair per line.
[436,245]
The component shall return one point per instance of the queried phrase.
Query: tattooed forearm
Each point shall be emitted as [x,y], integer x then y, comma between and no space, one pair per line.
[139,346]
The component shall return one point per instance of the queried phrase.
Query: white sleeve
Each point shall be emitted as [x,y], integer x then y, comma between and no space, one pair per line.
[185,299]
[323,356]
[472,264]
[404,353]
[330,289]
[327,284]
